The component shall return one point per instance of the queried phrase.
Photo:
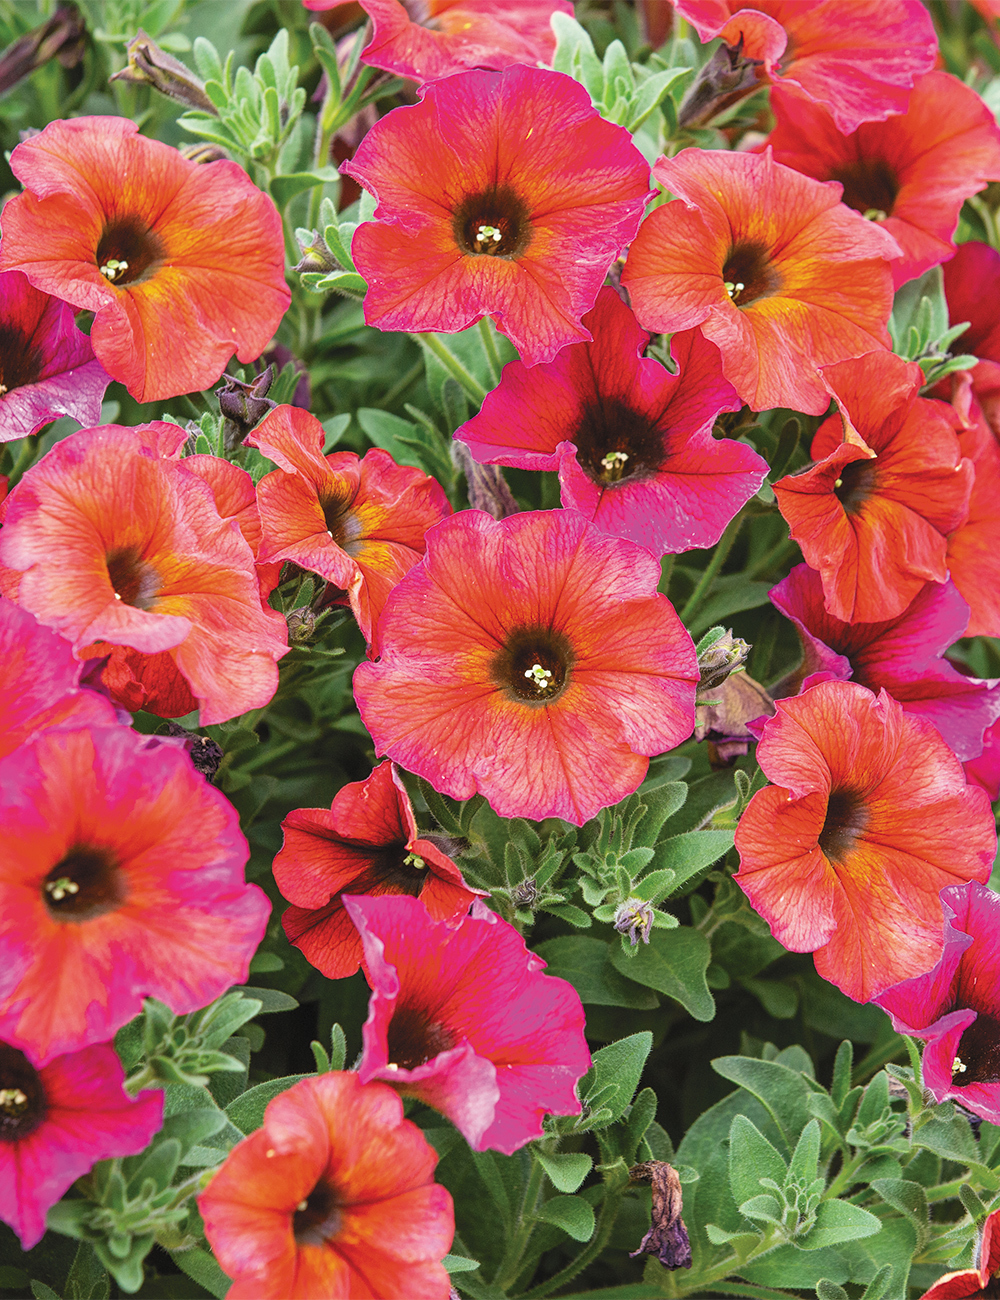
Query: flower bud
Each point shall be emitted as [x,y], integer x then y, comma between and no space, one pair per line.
[719,654]
[667,1237]
[244,405]
[62,37]
[301,625]
[725,78]
[635,918]
[487,486]
[203,151]
[148,65]
[316,256]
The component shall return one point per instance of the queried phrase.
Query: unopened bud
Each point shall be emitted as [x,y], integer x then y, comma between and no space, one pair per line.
[667,1237]
[525,894]
[204,753]
[635,918]
[301,625]
[719,654]
[725,78]
[316,256]
[148,65]
[244,405]
[487,486]
[203,151]
[62,37]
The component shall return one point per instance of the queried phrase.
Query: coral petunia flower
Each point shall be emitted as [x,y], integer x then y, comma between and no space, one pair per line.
[632,443]
[462,1017]
[869,819]
[769,265]
[858,59]
[431,39]
[905,655]
[47,365]
[40,682]
[955,1007]
[530,659]
[334,1196]
[973,550]
[117,543]
[182,264]
[972,288]
[121,877]
[913,171]
[501,194]
[366,843]
[978,1283]
[888,485]
[57,1122]
[357,522]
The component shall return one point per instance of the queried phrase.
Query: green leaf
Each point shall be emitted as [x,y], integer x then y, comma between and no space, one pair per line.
[640,1117]
[87,1279]
[574,55]
[459,1264]
[805,1159]
[674,962]
[763,1207]
[42,1292]
[567,1170]
[660,802]
[571,1213]
[269,999]
[391,434]
[688,854]
[247,1111]
[910,1199]
[346,282]
[619,1065]
[826,1290]
[201,1267]
[782,1091]
[777,998]
[838,1221]
[284,188]
[585,963]
[751,1158]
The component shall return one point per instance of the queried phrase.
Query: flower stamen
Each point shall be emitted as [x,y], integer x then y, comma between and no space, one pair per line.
[613,464]
[540,677]
[113,268]
[13,1101]
[733,287]
[414,860]
[958,1066]
[61,887]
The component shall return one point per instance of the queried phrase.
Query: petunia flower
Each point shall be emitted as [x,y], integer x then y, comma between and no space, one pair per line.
[769,265]
[972,289]
[462,1017]
[858,59]
[868,820]
[973,553]
[632,443]
[955,1007]
[357,522]
[367,842]
[56,1122]
[434,38]
[47,365]
[977,1283]
[40,682]
[888,484]
[333,1196]
[911,173]
[118,544]
[182,264]
[502,194]
[121,877]
[984,770]
[529,659]
[903,655]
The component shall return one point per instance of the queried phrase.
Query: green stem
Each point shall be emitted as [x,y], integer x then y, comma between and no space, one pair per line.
[490,350]
[773,557]
[602,1233]
[511,1262]
[469,383]
[25,458]
[712,569]
[845,1177]
[401,385]
[945,1191]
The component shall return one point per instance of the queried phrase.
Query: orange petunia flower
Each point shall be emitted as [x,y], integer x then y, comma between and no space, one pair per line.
[973,552]
[769,265]
[182,264]
[358,522]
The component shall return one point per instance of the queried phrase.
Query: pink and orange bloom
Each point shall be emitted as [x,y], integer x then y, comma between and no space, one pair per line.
[122,549]
[367,842]
[462,1017]
[769,265]
[973,553]
[531,660]
[887,486]
[632,443]
[955,1007]
[47,365]
[501,194]
[434,38]
[858,59]
[868,820]
[121,877]
[912,172]
[359,522]
[334,1196]
[979,1282]
[182,264]
[56,1122]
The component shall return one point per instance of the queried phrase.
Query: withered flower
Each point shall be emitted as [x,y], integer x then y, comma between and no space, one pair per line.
[667,1237]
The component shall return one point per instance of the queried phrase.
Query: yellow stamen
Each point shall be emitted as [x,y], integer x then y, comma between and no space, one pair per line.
[61,887]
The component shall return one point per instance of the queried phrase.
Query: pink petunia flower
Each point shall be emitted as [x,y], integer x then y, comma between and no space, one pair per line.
[462,1017]
[502,194]
[905,655]
[632,443]
[121,877]
[955,1007]
[769,265]
[47,365]
[913,171]
[973,554]
[366,843]
[56,1122]
[529,659]
[870,817]
[858,59]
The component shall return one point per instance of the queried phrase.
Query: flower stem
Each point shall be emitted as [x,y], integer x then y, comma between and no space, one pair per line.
[602,1233]
[25,458]
[469,383]
[490,350]
[712,569]
[511,1262]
